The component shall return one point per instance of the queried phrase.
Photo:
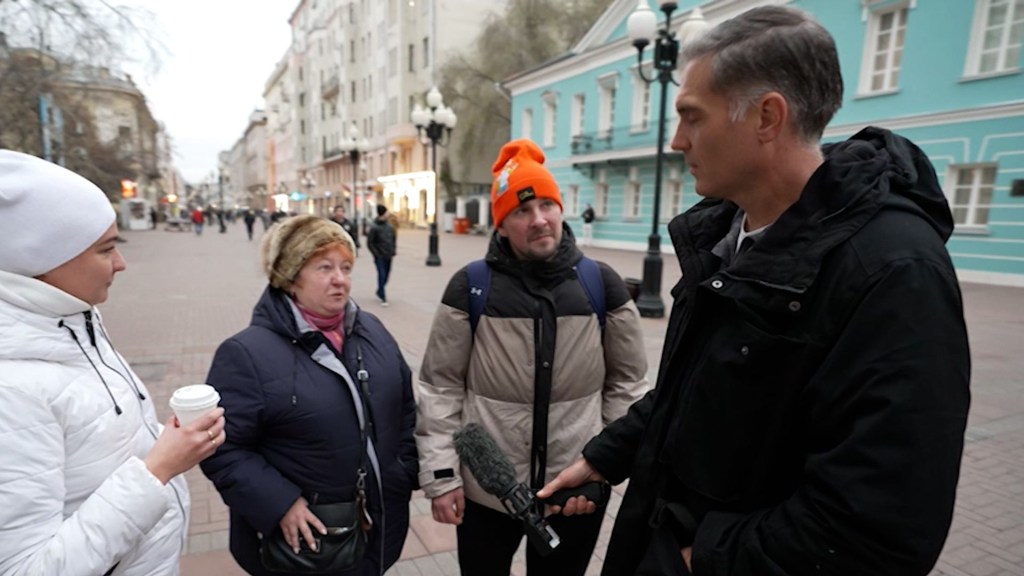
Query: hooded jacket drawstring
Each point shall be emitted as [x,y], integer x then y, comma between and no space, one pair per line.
[103,332]
[91,363]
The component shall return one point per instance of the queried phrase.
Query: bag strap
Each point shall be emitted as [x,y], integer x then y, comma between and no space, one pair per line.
[365,430]
[588,272]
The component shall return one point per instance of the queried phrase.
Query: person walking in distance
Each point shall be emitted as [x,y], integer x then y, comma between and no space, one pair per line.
[381,242]
[250,220]
[542,348]
[341,219]
[91,481]
[813,393]
[588,225]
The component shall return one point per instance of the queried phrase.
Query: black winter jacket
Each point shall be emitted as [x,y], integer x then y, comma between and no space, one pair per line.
[381,238]
[812,396]
[292,427]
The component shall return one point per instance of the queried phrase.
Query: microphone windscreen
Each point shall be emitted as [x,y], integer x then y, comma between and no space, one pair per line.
[481,454]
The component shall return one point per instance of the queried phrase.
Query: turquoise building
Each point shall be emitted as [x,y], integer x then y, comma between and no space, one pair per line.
[945,73]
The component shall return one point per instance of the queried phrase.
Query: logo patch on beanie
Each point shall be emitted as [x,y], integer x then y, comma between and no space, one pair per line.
[526,194]
[501,184]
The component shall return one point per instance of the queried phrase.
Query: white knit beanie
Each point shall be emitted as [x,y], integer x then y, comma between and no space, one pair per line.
[48,214]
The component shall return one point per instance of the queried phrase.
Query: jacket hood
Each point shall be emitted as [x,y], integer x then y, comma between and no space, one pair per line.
[31,312]
[873,170]
[501,257]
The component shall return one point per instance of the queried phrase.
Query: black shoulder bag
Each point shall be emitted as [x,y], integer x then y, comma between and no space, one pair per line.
[347,523]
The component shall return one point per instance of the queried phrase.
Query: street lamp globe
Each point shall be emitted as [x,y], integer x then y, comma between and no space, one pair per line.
[434,98]
[693,27]
[641,24]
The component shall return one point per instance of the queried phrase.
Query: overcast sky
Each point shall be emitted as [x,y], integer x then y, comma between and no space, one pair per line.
[219,54]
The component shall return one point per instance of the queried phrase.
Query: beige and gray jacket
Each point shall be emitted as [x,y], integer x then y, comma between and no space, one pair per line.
[537,332]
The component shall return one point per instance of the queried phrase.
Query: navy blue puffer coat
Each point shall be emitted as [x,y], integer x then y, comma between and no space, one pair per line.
[292,427]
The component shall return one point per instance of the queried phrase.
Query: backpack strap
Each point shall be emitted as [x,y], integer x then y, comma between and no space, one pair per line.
[479,276]
[589,274]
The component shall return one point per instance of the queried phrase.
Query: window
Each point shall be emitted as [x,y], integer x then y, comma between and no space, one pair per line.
[576,115]
[672,195]
[571,200]
[526,124]
[883,51]
[412,57]
[353,98]
[352,50]
[641,101]
[550,112]
[972,194]
[302,99]
[426,52]
[632,195]
[302,126]
[601,195]
[606,105]
[997,38]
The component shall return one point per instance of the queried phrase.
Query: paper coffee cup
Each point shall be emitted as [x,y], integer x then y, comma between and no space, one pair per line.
[191,402]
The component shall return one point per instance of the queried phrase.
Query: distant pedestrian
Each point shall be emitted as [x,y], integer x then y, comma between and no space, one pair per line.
[92,483]
[250,220]
[340,218]
[197,220]
[381,243]
[588,225]
[153,216]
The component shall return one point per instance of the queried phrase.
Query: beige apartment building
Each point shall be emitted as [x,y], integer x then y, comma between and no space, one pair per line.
[338,105]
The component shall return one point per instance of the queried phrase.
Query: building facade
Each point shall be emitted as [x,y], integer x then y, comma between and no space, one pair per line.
[350,80]
[945,74]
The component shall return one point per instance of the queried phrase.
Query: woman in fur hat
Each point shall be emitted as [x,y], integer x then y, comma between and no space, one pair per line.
[293,384]
[91,481]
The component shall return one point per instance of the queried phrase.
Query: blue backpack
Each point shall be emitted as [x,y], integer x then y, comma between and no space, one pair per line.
[587,271]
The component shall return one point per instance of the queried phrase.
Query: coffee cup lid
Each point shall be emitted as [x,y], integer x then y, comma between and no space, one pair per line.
[196,395]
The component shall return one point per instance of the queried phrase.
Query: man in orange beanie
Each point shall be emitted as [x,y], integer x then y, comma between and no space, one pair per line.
[553,352]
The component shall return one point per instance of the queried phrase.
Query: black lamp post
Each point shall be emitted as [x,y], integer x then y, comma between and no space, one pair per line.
[437,122]
[641,27]
[354,147]
[309,183]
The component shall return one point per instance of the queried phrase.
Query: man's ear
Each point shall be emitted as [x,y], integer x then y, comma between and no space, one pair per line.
[773,115]
[501,230]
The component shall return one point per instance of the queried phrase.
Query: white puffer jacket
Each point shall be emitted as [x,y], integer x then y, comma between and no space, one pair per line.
[75,496]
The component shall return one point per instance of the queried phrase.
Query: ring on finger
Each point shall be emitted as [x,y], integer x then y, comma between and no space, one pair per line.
[210,434]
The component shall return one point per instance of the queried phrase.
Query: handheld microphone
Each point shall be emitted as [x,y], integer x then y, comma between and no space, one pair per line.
[496,475]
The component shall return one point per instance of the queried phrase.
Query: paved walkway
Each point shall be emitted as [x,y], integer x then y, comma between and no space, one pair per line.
[182,295]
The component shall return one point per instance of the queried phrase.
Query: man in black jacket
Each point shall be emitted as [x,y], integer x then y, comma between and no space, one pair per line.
[813,389]
[381,243]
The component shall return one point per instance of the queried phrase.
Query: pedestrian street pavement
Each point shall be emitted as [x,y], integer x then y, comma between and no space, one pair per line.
[183,294]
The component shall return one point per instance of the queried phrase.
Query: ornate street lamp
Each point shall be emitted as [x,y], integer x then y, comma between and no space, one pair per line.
[437,122]
[355,147]
[641,27]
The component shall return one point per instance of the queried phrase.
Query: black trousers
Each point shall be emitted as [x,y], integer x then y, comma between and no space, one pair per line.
[488,540]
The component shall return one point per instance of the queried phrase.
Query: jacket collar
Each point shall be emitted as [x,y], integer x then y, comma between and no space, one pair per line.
[872,171]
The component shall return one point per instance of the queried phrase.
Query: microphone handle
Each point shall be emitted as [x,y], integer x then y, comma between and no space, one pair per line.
[596,492]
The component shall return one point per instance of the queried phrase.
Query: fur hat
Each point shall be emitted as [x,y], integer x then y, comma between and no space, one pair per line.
[48,214]
[520,176]
[290,242]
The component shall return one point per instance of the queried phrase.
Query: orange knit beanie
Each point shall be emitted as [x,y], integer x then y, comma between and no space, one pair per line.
[520,176]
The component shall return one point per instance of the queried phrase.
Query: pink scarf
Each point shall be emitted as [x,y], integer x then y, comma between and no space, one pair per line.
[329,326]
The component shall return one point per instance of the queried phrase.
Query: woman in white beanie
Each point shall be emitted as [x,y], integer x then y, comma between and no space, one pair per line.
[89,479]
[305,383]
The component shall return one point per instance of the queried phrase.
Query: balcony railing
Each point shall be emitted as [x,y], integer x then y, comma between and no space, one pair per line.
[330,88]
[619,138]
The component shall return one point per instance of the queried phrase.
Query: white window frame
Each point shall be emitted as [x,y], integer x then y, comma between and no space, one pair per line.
[893,55]
[976,212]
[571,201]
[526,124]
[641,117]
[632,194]
[579,102]
[601,194]
[672,195]
[550,101]
[976,51]
[606,87]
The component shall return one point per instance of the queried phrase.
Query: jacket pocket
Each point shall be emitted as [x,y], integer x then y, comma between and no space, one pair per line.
[739,434]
